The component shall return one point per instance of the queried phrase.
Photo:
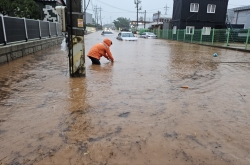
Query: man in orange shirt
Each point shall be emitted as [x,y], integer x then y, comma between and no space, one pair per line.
[99,50]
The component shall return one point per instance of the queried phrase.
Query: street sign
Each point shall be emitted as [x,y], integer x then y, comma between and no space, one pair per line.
[80,22]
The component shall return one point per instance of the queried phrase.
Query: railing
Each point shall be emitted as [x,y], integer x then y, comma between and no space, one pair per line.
[239,38]
[13,29]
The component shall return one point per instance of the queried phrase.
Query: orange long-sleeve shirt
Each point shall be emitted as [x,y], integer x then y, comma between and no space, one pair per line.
[101,49]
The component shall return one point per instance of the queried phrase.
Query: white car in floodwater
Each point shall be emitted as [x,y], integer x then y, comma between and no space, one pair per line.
[148,35]
[107,33]
[126,36]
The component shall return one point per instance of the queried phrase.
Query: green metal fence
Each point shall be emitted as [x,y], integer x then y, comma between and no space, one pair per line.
[239,38]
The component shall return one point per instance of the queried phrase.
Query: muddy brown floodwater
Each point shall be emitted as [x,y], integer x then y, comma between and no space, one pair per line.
[133,111]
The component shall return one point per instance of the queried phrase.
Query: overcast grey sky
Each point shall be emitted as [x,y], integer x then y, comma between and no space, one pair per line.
[112,9]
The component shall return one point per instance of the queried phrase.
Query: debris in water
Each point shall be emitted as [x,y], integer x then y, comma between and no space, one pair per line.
[125,114]
[186,87]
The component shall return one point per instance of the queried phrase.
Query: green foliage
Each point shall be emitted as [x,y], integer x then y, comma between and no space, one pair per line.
[121,23]
[5,7]
[90,25]
[20,8]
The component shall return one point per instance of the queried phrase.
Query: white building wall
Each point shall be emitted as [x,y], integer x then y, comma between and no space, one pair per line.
[88,18]
[243,17]
[239,17]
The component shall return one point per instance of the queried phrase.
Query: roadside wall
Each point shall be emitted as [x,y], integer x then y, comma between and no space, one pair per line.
[11,52]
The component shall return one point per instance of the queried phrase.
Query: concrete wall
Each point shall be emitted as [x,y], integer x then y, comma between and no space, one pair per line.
[14,51]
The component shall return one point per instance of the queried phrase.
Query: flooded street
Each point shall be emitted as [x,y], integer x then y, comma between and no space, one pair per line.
[132,111]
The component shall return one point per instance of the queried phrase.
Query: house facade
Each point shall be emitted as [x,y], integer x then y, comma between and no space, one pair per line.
[199,14]
[239,16]
[161,22]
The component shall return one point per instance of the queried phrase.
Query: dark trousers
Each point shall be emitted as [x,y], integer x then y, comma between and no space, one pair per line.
[95,61]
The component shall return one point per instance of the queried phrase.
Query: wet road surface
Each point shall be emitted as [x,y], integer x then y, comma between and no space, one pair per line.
[132,111]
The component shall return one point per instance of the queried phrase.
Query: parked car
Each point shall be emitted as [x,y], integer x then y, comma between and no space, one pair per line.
[126,36]
[124,29]
[107,33]
[147,35]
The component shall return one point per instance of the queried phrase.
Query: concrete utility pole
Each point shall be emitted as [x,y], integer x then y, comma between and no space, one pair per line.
[84,18]
[144,19]
[96,16]
[100,15]
[158,17]
[76,29]
[137,2]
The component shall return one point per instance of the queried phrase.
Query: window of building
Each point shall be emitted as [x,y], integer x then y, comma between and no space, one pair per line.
[190,30]
[174,29]
[48,7]
[206,30]
[211,8]
[194,7]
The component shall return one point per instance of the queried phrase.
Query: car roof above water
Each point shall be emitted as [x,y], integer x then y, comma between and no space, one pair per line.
[126,32]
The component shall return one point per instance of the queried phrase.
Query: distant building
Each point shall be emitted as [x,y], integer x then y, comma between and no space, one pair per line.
[89,18]
[141,24]
[239,16]
[160,21]
[167,23]
[199,14]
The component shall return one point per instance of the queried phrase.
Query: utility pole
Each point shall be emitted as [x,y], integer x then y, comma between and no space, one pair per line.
[75,27]
[158,17]
[100,15]
[96,16]
[137,2]
[166,9]
[144,19]
[84,18]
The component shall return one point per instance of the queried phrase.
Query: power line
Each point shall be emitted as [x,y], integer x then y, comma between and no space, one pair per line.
[87,5]
[156,9]
[114,6]
[116,12]
[125,9]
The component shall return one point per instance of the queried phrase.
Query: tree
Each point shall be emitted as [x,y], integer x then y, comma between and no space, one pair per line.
[5,7]
[20,8]
[93,21]
[121,23]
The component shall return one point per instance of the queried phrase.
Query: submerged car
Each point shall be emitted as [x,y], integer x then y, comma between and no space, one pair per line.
[148,35]
[124,30]
[107,33]
[126,36]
